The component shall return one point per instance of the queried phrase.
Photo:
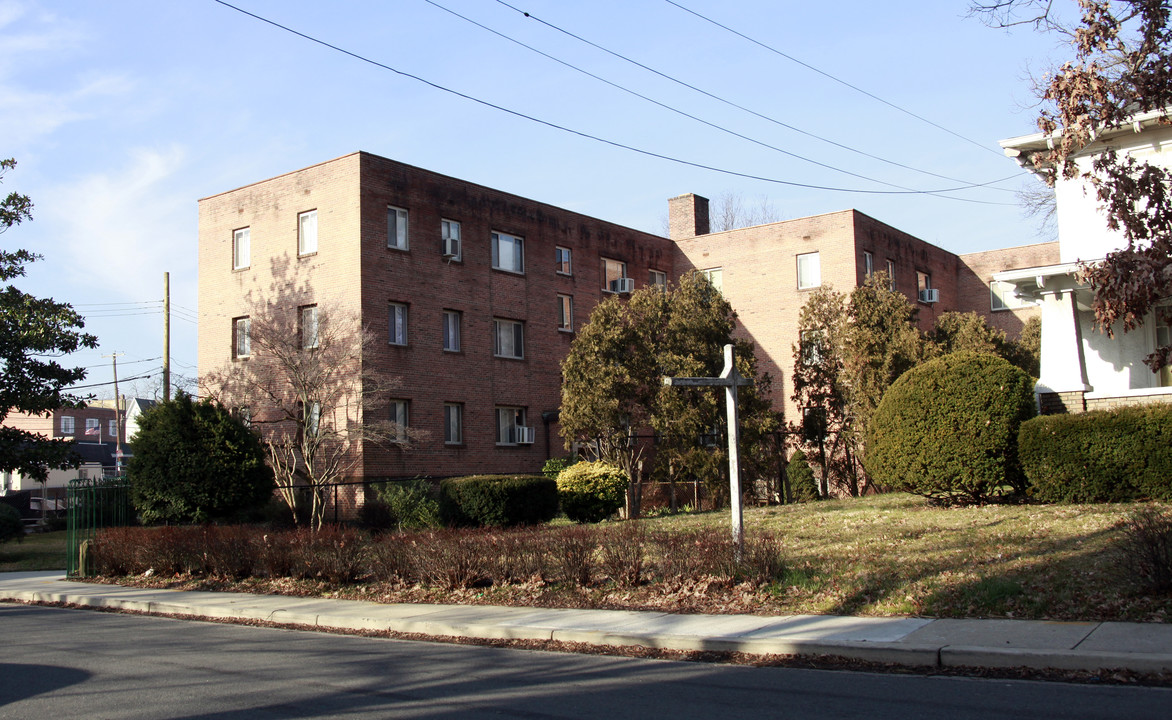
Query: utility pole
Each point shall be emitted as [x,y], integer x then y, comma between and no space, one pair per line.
[166,336]
[117,419]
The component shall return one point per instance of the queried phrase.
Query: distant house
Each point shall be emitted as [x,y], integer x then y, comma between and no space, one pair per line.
[134,408]
[93,432]
[1082,368]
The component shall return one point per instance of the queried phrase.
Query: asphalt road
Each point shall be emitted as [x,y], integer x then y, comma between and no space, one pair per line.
[58,664]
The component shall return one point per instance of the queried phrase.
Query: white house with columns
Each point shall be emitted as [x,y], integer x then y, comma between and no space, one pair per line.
[1082,368]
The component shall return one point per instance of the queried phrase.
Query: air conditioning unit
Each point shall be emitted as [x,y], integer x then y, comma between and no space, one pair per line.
[930,295]
[622,285]
[525,435]
[451,248]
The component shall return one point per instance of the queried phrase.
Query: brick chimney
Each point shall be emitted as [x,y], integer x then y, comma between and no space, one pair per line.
[687,216]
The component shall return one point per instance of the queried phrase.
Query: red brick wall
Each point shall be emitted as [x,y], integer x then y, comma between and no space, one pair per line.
[51,426]
[976,272]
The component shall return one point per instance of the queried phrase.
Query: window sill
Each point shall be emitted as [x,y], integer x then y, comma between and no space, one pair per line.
[519,273]
[398,249]
[301,256]
[509,357]
[567,331]
[395,344]
[565,274]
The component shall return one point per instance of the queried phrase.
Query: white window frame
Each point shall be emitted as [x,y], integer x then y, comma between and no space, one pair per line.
[508,419]
[67,425]
[809,267]
[451,330]
[608,265]
[400,415]
[1002,297]
[93,423]
[307,325]
[449,233]
[515,252]
[241,337]
[565,313]
[508,339]
[810,346]
[307,233]
[397,324]
[397,228]
[241,248]
[112,430]
[453,423]
[715,278]
[564,265]
[657,278]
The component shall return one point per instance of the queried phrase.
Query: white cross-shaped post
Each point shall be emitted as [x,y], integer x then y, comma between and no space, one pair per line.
[730,380]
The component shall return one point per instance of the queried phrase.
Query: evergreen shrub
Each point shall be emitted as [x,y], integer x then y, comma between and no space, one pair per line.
[803,486]
[591,491]
[498,500]
[554,466]
[1100,456]
[411,505]
[947,429]
[10,524]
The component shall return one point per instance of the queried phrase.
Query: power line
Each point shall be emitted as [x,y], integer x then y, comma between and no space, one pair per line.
[128,362]
[612,143]
[711,95]
[82,387]
[825,74]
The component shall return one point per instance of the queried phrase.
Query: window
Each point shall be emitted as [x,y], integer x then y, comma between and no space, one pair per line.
[1002,296]
[66,425]
[612,270]
[397,324]
[565,313]
[450,233]
[923,285]
[112,431]
[308,326]
[451,331]
[313,419]
[658,279]
[508,419]
[508,339]
[868,264]
[245,415]
[809,271]
[508,252]
[396,228]
[890,274]
[715,277]
[241,253]
[562,259]
[400,420]
[241,337]
[813,424]
[811,347]
[93,426]
[453,424]
[307,233]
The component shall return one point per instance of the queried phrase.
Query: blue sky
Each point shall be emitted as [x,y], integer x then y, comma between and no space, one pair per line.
[122,114]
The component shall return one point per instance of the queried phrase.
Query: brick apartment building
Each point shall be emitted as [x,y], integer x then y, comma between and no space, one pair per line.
[480,291]
[94,432]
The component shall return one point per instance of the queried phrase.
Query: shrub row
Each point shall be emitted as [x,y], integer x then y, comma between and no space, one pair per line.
[1099,456]
[498,500]
[625,555]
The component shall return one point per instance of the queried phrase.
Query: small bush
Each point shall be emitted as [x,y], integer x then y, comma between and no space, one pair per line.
[553,467]
[591,491]
[411,505]
[947,429]
[1145,553]
[624,553]
[498,500]
[572,554]
[1100,456]
[803,486]
[10,524]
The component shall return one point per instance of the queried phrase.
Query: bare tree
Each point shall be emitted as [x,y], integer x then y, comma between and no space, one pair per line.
[302,384]
[730,211]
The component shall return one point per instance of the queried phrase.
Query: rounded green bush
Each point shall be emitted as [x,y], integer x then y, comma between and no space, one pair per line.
[10,523]
[498,500]
[947,429]
[591,491]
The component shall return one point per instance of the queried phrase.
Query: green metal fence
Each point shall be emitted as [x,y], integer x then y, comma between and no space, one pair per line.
[94,503]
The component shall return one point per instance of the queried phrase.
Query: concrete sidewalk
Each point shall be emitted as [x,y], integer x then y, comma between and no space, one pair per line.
[1090,646]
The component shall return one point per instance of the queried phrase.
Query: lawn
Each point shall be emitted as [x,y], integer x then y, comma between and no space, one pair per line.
[38,551]
[880,556]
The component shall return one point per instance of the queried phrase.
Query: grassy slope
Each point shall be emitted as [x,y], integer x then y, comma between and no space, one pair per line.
[39,551]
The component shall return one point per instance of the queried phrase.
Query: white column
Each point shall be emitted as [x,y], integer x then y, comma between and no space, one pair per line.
[1064,367]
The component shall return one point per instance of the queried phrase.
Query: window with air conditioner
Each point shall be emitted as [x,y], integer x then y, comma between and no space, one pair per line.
[450,233]
[396,228]
[508,253]
[510,426]
[925,293]
[307,233]
[614,272]
[508,339]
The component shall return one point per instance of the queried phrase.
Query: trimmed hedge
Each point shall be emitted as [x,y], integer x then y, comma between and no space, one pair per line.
[498,500]
[591,491]
[1100,456]
[947,429]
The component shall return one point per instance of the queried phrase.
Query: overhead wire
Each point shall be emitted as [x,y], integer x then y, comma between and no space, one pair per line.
[825,74]
[613,143]
[724,100]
